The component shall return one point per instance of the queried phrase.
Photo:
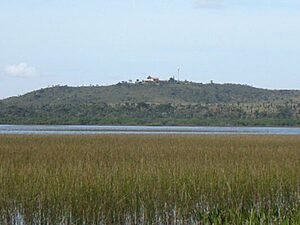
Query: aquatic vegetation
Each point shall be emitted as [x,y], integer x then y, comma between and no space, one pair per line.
[149,179]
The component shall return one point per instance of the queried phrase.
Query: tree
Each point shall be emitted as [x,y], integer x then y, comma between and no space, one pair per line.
[172,79]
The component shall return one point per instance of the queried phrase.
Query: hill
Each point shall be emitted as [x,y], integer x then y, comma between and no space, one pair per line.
[157,103]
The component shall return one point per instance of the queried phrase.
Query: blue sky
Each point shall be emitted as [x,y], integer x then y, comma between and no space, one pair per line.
[75,42]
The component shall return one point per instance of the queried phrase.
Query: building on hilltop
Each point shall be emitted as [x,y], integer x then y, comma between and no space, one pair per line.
[151,79]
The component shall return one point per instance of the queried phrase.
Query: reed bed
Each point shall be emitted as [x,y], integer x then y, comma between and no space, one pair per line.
[149,179]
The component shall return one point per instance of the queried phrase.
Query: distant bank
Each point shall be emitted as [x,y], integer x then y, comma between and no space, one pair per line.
[160,103]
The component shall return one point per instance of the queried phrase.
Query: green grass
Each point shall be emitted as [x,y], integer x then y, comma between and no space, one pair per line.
[137,179]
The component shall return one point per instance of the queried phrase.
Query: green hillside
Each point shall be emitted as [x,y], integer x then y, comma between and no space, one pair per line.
[162,103]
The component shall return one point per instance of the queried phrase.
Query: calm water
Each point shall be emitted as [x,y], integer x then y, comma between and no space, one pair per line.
[43,129]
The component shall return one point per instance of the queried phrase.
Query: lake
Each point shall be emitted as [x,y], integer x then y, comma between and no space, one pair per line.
[80,129]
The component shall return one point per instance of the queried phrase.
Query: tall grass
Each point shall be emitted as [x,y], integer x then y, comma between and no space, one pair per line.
[135,179]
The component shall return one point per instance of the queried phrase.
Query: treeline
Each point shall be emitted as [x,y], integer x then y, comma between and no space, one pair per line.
[162,103]
[237,114]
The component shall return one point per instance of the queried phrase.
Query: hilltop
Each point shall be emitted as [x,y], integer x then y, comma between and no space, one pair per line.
[158,103]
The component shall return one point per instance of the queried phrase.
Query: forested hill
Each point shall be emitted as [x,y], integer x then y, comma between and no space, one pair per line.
[162,103]
[156,93]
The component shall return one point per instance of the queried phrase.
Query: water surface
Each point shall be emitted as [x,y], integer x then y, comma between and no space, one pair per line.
[79,129]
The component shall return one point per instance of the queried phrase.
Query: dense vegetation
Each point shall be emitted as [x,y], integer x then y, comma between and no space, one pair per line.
[163,103]
[119,179]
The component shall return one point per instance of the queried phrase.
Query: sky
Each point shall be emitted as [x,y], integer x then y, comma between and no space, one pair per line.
[100,42]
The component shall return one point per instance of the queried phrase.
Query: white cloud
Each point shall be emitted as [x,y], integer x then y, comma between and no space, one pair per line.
[208,3]
[20,70]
